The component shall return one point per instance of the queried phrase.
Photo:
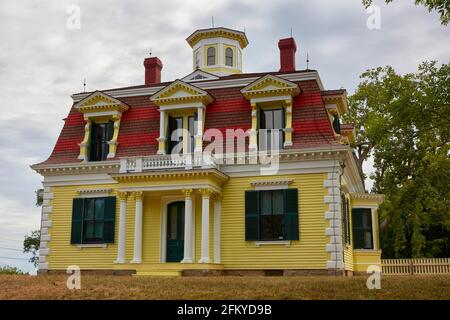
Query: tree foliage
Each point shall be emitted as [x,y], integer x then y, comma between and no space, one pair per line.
[441,6]
[404,123]
[31,245]
[10,270]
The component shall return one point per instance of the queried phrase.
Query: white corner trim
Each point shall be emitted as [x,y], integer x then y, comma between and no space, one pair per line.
[46,223]
[92,245]
[286,243]
[44,252]
[43,266]
[46,237]
[333,264]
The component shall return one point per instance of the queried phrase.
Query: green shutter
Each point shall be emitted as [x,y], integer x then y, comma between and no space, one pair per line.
[358,229]
[110,219]
[251,215]
[291,214]
[77,221]
[349,234]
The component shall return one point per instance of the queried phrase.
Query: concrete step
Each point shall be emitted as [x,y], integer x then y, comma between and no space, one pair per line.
[159,273]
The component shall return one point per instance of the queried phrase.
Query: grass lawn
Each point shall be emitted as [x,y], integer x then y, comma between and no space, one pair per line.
[313,287]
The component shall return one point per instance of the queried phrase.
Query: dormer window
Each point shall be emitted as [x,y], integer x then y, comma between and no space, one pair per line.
[211,56]
[229,57]
[336,124]
[102,114]
[101,134]
[271,133]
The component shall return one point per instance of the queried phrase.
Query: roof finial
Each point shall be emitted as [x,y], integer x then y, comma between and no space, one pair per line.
[307,61]
[150,53]
[291,32]
[212,21]
[84,85]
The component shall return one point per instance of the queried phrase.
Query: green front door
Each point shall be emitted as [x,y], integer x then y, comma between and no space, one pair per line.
[175,231]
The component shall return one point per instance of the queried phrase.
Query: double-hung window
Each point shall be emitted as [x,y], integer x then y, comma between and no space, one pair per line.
[271,133]
[93,220]
[175,134]
[271,215]
[192,124]
[101,133]
[362,228]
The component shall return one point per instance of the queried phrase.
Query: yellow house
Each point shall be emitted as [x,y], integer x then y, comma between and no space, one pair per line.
[219,172]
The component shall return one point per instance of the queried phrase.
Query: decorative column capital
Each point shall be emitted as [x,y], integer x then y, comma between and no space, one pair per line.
[206,193]
[187,192]
[122,195]
[138,195]
[217,196]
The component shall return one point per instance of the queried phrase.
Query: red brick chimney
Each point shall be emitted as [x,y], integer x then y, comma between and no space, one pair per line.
[287,54]
[153,68]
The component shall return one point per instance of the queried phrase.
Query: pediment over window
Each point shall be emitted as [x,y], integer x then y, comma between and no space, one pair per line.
[99,103]
[199,75]
[179,92]
[269,86]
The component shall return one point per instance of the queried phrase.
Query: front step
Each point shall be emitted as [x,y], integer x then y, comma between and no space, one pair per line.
[159,273]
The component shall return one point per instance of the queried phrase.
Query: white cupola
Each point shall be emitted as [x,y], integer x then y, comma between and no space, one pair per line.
[218,50]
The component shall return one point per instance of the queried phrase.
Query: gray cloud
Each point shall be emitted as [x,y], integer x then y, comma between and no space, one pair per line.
[42,62]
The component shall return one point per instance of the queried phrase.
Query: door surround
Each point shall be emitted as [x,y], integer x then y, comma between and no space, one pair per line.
[165,201]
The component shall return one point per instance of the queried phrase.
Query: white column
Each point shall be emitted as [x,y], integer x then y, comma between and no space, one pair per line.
[162,132]
[205,226]
[122,227]
[162,121]
[199,133]
[188,227]
[137,257]
[217,226]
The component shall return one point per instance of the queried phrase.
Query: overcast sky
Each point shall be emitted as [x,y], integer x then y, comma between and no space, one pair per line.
[42,62]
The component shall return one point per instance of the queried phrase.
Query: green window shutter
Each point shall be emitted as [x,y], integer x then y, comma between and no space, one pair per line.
[358,229]
[251,215]
[109,219]
[347,211]
[291,214]
[77,221]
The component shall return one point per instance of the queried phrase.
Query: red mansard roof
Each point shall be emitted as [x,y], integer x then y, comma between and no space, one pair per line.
[139,126]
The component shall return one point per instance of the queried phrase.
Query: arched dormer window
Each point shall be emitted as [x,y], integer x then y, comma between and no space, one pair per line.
[229,57]
[211,56]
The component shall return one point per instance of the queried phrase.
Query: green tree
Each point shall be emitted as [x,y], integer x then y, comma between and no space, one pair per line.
[441,6]
[404,123]
[31,245]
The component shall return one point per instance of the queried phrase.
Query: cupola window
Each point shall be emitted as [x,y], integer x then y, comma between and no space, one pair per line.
[211,56]
[229,57]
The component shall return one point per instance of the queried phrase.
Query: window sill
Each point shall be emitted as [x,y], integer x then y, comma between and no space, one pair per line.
[286,243]
[367,250]
[92,245]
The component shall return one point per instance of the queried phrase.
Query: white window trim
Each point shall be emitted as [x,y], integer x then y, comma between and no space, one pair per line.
[286,243]
[92,245]
[372,213]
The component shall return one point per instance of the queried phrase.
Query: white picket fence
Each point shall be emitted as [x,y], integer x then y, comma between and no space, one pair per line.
[421,266]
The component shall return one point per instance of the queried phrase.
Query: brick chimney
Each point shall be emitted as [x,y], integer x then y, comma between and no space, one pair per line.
[287,54]
[153,68]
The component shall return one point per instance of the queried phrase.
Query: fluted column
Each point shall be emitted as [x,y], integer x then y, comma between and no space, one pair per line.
[187,226]
[217,227]
[137,253]
[122,227]
[206,194]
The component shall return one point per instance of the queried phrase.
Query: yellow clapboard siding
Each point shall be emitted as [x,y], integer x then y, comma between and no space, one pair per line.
[307,253]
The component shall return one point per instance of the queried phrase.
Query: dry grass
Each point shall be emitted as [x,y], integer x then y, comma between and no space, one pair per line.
[110,287]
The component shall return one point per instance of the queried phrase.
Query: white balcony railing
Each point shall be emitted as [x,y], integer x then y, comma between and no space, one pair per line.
[189,161]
